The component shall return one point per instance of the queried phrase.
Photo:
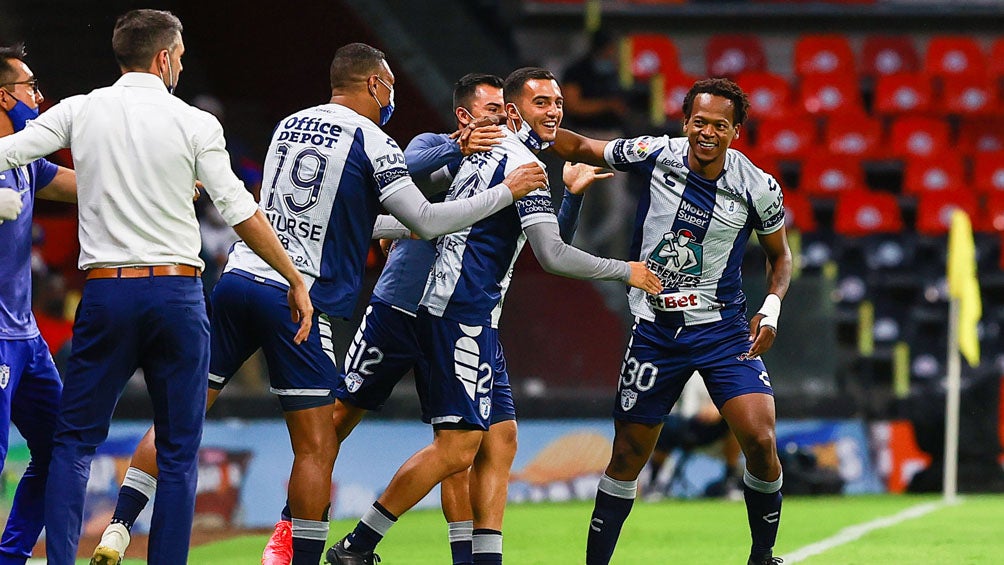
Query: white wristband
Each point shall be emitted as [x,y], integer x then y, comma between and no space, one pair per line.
[771,310]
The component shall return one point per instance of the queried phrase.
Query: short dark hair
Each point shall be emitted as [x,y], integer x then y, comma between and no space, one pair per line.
[354,62]
[141,34]
[8,52]
[719,87]
[512,88]
[463,91]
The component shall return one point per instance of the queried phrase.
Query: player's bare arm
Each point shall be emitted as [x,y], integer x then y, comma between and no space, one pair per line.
[763,326]
[571,146]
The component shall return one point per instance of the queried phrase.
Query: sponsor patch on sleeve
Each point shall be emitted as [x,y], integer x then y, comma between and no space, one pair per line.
[388,176]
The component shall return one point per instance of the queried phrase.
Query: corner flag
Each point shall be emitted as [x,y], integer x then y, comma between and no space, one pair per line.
[964,286]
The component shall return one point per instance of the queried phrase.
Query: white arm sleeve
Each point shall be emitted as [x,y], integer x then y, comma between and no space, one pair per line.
[388,227]
[429,220]
[46,134]
[559,258]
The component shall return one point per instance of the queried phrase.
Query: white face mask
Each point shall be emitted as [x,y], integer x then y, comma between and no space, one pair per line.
[528,136]
[172,84]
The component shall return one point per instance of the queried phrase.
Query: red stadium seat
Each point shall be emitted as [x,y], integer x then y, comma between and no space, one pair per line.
[823,55]
[971,96]
[993,217]
[676,87]
[770,94]
[917,135]
[798,213]
[828,175]
[861,212]
[889,54]
[934,210]
[944,171]
[981,135]
[855,134]
[59,247]
[729,55]
[652,54]
[827,94]
[954,56]
[997,59]
[786,138]
[903,93]
[988,172]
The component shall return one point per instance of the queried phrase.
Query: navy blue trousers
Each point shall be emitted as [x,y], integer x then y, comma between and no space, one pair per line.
[157,324]
[29,399]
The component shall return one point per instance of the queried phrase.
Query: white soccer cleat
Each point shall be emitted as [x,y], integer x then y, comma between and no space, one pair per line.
[111,549]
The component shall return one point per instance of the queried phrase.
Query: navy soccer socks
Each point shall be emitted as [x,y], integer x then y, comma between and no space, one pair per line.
[613,504]
[486,547]
[137,489]
[763,509]
[309,537]
[372,527]
[461,535]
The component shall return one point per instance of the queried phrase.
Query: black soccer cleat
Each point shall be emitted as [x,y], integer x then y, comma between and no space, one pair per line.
[767,559]
[338,555]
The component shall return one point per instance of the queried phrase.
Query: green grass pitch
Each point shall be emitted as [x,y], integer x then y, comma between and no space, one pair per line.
[696,531]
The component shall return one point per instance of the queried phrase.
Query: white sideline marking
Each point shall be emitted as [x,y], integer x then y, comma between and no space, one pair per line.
[852,533]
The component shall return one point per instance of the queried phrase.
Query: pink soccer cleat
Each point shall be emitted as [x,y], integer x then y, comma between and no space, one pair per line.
[279,550]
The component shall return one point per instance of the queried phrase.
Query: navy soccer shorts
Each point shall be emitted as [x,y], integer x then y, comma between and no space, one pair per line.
[660,359]
[465,382]
[247,315]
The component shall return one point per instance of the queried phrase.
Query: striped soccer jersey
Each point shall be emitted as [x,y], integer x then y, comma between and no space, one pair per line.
[473,266]
[691,231]
[326,171]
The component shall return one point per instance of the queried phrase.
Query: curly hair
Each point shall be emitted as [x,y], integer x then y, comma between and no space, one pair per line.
[719,87]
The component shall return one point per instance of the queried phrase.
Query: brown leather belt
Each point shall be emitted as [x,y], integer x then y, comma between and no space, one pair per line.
[143,272]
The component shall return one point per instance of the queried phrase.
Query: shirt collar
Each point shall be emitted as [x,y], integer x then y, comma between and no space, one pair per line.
[141,79]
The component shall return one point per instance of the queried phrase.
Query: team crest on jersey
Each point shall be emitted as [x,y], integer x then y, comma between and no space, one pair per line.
[485,407]
[628,399]
[4,375]
[353,381]
[679,253]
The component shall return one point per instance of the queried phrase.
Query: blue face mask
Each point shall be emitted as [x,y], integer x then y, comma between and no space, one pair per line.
[530,137]
[385,111]
[21,114]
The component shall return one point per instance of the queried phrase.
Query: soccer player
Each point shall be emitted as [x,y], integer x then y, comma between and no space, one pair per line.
[703,203]
[466,386]
[327,170]
[29,384]
[137,151]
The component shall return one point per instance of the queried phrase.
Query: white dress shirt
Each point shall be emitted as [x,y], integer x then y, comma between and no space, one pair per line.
[137,151]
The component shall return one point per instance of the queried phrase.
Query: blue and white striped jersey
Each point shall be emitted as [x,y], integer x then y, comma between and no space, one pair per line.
[473,266]
[691,231]
[326,172]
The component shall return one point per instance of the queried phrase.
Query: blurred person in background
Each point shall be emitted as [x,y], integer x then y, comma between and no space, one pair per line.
[29,383]
[710,200]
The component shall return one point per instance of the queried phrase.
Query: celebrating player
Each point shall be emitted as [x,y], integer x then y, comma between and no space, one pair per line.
[467,388]
[327,170]
[703,203]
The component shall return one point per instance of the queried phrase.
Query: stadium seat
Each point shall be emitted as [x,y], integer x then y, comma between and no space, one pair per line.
[823,54]
[954,56]
[996,69]
[942,172]
[981,135]
[918,135]
[903,93]
[59,246]
[830,93]
[992,220]
[884,55]
[786,138]
[855,134]
[676,86]
[859,213]
[934,210]
[652,54]
[828,175]
[798,213]
[988,172]
[728,55]
[976,96]
[769,94]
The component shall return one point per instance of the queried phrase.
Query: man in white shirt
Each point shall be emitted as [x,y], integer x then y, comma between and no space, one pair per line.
[138,151]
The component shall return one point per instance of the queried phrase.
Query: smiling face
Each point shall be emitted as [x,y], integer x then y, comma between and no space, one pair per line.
[542,107]
[710,130]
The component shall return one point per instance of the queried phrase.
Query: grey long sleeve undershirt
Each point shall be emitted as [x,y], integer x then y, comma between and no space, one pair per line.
[559,258]
[428,220]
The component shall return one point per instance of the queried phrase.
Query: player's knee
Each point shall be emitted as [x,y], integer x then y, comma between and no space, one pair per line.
[761,447]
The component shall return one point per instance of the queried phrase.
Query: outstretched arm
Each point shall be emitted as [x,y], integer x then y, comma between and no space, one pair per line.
[763,326]
[571,146]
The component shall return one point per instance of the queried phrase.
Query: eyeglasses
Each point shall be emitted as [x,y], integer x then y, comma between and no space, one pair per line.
[32,84]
